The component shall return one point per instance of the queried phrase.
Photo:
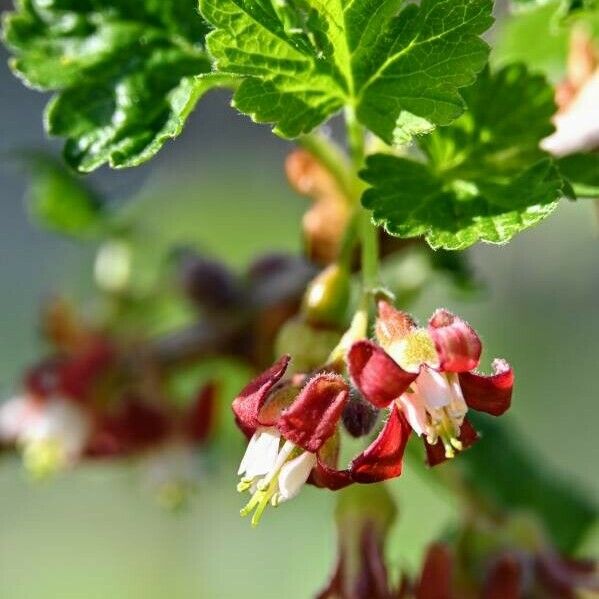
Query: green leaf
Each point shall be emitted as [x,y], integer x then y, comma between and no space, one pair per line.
[505,471]
[563,9]
[61,202]
[123,69]
[530,3]
[484,179]
[582,172]
[398,66]
[571,6]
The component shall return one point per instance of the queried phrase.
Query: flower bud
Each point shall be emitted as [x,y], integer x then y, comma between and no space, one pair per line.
[359,417]
[208,283]
[327,297]
[278,278]
[113,266]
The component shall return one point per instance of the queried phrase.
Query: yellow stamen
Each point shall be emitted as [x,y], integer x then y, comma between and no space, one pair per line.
[43,458]
[413,350]
[444,428]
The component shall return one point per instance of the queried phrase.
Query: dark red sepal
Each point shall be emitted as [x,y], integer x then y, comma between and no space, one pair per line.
[383,458]
[435,454]
[504,580]
[457,343]
[313,417]
[325,474]
[135,426]
[247,404]
[328,477]
[376,374]
[491,394]
[45,378]
[81,371]
[436,580]
[200,418]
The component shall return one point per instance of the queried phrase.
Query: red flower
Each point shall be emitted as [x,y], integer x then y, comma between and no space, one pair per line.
[293,429]
[51,421]
[137,425]
[427,377]
[290,424]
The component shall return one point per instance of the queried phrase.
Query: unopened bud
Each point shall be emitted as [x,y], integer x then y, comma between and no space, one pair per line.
[112,269]
[359,417]
[327,296]
[209,283]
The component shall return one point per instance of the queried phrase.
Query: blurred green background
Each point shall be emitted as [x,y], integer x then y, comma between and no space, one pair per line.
[94,534]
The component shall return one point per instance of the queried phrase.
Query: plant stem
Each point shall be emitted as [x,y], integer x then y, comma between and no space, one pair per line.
[370,251]
[368,233]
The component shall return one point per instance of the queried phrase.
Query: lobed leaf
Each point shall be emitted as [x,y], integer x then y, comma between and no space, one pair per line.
[398,66]
[484,178]
[124,71]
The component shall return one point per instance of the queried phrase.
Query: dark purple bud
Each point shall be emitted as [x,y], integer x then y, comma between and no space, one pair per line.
[208,283]
[277,278]
[359,416]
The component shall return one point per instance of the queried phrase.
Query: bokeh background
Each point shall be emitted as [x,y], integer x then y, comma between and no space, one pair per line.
[94,534]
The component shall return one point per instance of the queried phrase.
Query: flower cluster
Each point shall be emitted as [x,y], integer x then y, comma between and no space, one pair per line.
[424,378]
[86,405]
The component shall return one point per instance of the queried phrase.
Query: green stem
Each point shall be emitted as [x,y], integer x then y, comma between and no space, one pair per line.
[370,251]
[368,233]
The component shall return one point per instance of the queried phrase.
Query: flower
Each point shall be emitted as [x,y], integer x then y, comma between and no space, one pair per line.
[427,377]
[292,427]
[292,423]
[50,421]
[577,99]
[52,432]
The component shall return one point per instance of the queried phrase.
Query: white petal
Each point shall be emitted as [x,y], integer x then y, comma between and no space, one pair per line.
[458,407]
[14,415]
[577,128]
[414,410]
[261,453]
[63,422]
[248,454]
[434,389]
[294,475]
